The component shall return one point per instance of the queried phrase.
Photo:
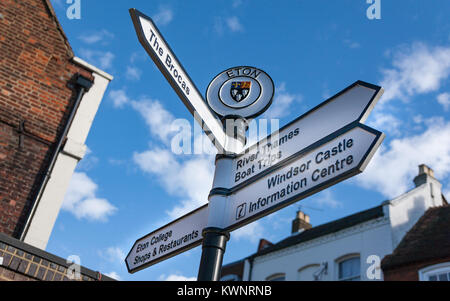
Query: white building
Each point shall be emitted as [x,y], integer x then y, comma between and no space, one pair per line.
[350,248]
[42,219]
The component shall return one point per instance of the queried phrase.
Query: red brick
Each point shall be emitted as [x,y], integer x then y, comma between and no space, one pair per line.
[34,56]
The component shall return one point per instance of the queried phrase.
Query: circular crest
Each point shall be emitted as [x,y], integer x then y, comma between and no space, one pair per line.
[240,91]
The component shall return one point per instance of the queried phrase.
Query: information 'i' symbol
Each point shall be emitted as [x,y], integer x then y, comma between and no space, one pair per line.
[240,211]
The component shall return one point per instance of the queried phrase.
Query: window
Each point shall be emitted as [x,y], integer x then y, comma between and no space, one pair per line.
[307,273]
[437,272]
[349,269]
[276,277]
[230,277]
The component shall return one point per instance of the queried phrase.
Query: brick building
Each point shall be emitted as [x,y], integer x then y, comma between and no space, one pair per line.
[424,252]
[48,100]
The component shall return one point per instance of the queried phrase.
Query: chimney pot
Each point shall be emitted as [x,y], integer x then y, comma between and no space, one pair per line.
[300,223]
[424,173]
[424,169]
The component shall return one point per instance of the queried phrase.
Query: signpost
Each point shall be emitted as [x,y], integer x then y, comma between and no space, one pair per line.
[166,61]
[319,149]
[352,104]
[325,163]
[179,236]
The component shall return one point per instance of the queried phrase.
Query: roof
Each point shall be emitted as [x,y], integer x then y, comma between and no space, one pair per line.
[6,242]
[234,268]
[325,229]
[428,239]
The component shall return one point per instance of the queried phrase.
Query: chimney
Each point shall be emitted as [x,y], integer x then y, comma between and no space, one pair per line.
[424,173]
[300,223]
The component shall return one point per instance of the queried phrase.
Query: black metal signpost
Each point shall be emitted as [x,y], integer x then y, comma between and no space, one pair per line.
[319,149]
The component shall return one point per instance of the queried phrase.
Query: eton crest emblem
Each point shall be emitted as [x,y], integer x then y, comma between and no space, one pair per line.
[240,90]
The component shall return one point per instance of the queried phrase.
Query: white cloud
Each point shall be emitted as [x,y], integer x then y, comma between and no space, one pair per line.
[252,232]
[159,120]
[133,73]
[176,277]
[191,179]
[352,44]
[113,254]
[282,103]
[98,36]
[218,25]
[137,56]
[94,209]
[326,200]
[163,17]
[384,122]
[234,24]
[119,98]
[419,119]
[416,69]
[113,275]
[88,162]
[444,100]
[80,187]
[81,200]
[236,3]
[393,167]
[231,23]
[100,59]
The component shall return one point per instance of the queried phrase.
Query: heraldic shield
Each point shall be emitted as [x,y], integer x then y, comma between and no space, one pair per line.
[240,90]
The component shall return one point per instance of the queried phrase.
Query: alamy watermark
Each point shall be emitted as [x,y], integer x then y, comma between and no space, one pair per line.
[73,11]
[374,10]
[74,270]
[373,272]
[187,140]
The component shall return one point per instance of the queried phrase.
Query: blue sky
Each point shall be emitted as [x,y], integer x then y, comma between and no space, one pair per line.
[130,182]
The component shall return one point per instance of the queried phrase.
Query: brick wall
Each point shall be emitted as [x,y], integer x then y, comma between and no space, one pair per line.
[35,69]
[22,262]
[410,272]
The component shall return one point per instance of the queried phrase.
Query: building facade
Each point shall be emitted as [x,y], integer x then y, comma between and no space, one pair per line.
[48,101]
[350,248]
[424,252]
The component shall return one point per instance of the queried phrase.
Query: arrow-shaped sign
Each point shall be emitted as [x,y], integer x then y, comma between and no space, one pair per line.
[319,149]
[353,104]
[166,61]
[344,154]
[179,236]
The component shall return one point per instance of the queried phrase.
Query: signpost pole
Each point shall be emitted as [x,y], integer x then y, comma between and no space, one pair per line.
[214,237]
[320,148]
[213,249]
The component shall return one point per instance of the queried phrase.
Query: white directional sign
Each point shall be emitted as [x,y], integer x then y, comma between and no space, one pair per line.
[166,61]
[319,149]
[353,104]
[345,154]
[179,236]
[322,147]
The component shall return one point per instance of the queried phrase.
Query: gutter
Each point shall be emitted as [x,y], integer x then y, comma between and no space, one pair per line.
[82,84]
[250,261]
